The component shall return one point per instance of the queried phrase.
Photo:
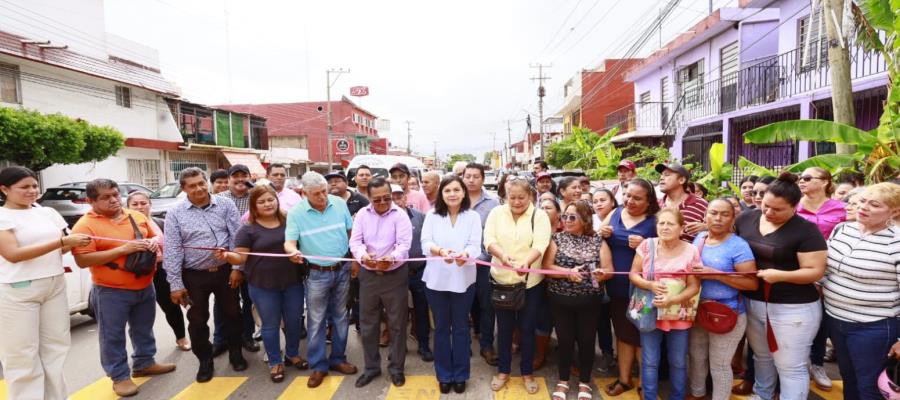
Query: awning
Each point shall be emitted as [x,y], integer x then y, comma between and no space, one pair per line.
[635,135]
[249,159]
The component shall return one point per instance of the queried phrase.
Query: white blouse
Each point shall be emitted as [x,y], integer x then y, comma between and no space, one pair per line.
[464,236]
[32,226]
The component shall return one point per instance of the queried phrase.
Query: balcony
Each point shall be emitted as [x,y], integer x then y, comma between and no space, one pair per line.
[770,80]
[640,116]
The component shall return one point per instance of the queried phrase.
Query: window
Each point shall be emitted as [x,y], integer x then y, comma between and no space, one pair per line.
[9,84]
[123,96]
[690,82]
[645,97]
[812,41]
[664,89]
[729,60]
[144,172]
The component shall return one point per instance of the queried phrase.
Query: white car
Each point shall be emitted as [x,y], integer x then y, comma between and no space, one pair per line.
[78,287]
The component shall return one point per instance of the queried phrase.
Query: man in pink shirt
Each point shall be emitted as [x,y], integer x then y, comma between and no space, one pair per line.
[287,198]
[380,242]
[400,176]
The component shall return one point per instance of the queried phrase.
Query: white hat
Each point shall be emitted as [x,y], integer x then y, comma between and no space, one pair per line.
[396,188]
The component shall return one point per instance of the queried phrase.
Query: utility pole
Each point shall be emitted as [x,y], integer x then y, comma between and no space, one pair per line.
[509,143]
[435,164]
[839,62]
[408,137]
[328,81]
[541,92]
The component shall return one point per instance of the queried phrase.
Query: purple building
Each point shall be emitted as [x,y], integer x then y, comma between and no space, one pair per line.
[742,68]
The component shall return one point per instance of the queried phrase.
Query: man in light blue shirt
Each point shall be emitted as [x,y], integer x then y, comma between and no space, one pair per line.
[320,226]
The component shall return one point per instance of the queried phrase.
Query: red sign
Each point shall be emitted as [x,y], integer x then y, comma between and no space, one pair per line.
[378,146]
[342,146]
[359,91]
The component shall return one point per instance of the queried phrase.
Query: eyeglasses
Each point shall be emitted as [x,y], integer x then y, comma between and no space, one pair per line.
[807,178]
[569,217]
[382,199]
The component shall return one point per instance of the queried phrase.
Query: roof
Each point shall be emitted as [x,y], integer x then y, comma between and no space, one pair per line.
[293,119]
[119,71]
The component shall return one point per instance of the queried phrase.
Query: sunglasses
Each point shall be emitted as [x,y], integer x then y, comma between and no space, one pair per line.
[382,199]
[807,178]
[757,193]
[515,178]
[569,217]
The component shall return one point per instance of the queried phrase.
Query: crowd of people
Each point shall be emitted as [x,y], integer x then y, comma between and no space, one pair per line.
[653,276]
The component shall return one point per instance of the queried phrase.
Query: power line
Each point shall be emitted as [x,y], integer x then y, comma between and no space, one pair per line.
[552,38]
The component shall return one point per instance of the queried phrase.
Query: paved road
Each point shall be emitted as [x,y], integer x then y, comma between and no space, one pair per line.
[86,379]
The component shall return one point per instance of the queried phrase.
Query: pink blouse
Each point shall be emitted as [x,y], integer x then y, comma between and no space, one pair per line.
[682,263]
[831,213]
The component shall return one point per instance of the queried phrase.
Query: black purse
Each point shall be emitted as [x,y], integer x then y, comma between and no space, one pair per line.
[511,297]
[142,262]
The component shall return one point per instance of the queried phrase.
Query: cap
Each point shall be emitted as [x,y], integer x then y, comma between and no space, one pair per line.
[627,164]
[249,184]
[674,167]
[335,174]
[396,189]
[238,168]
[401,167]
[541,175]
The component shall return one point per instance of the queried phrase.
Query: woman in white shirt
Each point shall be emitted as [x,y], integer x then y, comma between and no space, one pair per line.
[452,231]
[33,303]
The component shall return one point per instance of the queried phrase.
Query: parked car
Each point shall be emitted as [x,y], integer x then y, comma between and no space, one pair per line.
[557,174]
[490,180]
[78,287]
[165,198]
[380,165]
[70,199]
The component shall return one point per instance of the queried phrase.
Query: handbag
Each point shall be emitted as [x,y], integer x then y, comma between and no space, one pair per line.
[511,297]
[713,316]
[142,262]
[641,311]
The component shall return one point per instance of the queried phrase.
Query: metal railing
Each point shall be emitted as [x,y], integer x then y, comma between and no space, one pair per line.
[640,116]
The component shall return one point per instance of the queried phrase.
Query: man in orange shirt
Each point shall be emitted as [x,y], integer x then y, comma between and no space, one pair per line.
[119,297]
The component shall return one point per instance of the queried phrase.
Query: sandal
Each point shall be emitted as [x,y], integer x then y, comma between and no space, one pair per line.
[183,344]
[560,394]
[618,387]
[276,373]
[298,363]
[585,391]
[498,383]
[531,385]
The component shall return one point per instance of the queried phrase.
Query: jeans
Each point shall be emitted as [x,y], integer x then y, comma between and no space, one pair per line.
[545,321]
[862,350]
[526,320]
[795,326]
[420,307]
[651,353]
[326,298]
[274,306]
[114,309]
[452,342]
[248,325]
[486,316]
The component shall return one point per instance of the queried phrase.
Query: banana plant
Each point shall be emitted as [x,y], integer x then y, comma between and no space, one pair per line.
[719,173]
[876,153]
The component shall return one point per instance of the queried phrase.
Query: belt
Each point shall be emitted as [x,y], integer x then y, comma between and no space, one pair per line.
[333,267]
[216,268]
[380,272]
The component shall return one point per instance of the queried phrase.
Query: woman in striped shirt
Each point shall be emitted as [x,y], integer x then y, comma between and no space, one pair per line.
[862,297]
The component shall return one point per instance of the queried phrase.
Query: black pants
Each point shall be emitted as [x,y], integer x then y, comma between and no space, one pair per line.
[575,321]
[173,313]
[200,284]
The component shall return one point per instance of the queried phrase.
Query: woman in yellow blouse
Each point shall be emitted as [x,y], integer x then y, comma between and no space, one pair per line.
[516,234]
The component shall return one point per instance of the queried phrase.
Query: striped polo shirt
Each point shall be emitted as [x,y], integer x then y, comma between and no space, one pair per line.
[320,233]
[862,280]
[693,209]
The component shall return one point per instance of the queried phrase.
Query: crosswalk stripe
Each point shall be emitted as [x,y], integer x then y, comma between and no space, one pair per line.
[837,390]
[416,387]
[736,397]
[217,388]
[632,394]
[101,389]
[515,389]
[3,393]
[298,389]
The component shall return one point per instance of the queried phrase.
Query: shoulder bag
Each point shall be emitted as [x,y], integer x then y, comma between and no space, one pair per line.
[511,297]
[142,262]
[641,311]
[713,316]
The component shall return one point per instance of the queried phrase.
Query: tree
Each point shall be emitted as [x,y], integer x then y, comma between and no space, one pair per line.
[489,158]
[37,141]
[468,158]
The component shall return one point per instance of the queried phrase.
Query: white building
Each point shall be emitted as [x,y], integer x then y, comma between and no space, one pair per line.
[56,57]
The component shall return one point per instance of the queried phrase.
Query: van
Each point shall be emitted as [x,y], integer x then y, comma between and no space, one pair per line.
[380,164]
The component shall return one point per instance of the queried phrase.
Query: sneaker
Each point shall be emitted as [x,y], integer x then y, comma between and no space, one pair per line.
[817,372]
[606,362]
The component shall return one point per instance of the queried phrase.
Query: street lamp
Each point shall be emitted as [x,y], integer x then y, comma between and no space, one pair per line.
[328,108]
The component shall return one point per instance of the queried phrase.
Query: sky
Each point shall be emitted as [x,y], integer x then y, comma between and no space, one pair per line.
[458,70]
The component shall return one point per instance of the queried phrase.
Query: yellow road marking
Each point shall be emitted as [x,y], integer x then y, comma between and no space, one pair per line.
[217,388]
[416,388]
[101,389]
[734,396]
[298,389]
[515,389]
[3,393]
[836,393]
